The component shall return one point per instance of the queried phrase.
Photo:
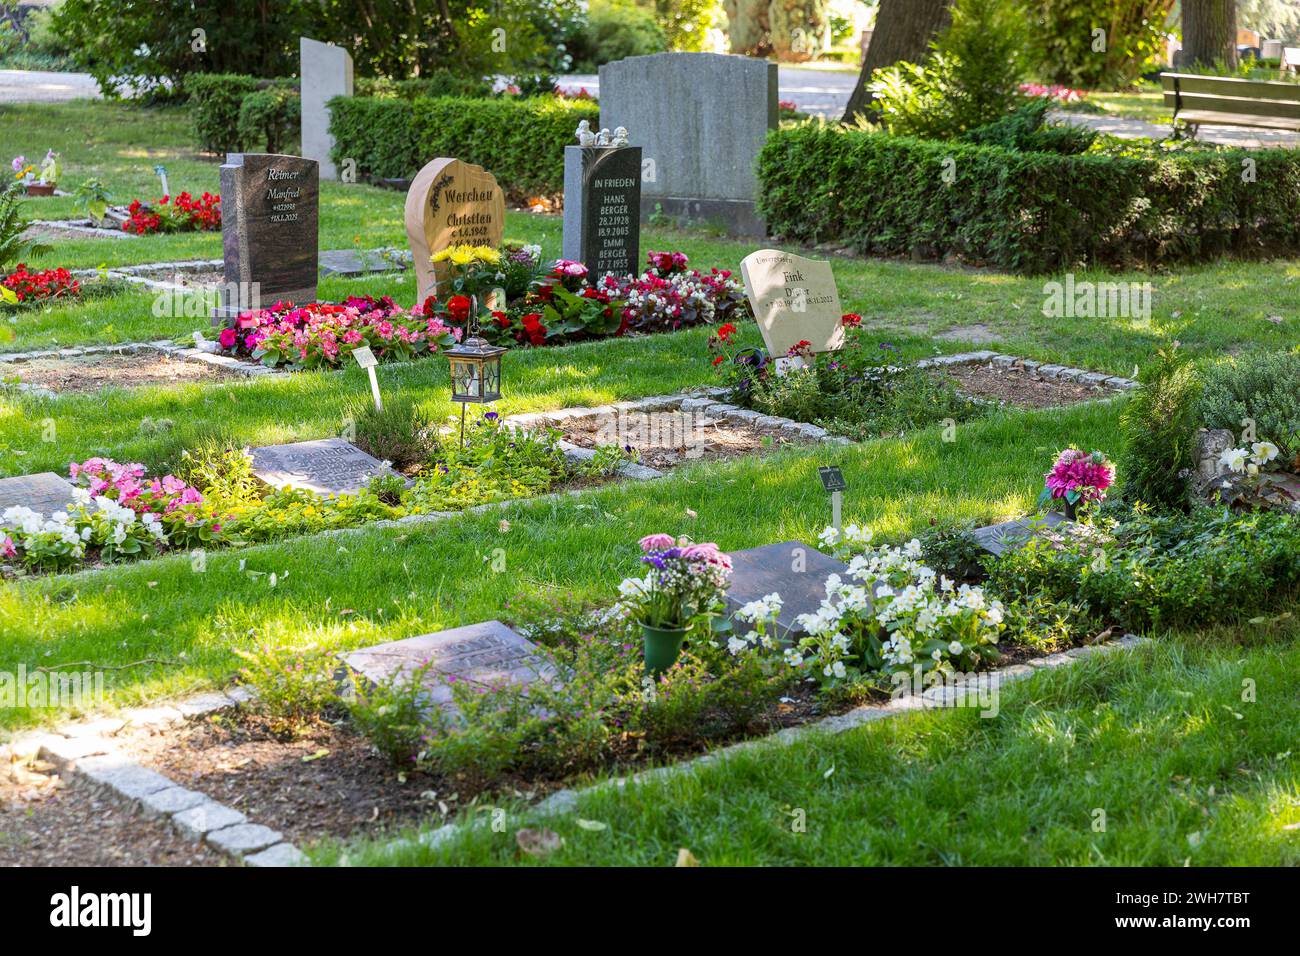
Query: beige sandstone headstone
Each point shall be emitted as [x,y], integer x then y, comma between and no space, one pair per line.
[794,300]
[451,203]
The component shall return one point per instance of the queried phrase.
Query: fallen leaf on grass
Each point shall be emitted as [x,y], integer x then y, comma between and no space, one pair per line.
[686,858]
[538,842]
[316,756]
[591,824]
[827,774]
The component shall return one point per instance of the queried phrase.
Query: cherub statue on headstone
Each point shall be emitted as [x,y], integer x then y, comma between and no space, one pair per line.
[585,136]
[603,138]
[620,136]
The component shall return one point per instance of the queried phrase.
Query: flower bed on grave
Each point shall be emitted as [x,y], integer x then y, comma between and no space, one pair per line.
[862,390]
[179,213]
[543,306]
[122,513]
[23,286]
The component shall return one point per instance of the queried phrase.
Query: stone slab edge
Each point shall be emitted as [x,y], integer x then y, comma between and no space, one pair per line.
[89,760]
[1116,383]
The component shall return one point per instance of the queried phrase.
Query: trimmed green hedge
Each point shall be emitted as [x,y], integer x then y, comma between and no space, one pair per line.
[520,141]
[1026,212]
[216,100]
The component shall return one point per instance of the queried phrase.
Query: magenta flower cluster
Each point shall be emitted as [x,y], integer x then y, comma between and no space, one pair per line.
[1079,475]
[126,484]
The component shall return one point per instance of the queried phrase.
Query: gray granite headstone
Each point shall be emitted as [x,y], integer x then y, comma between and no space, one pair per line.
[700,120]
[270,210]
[329,466]
[792,569]
[484,654]
[602,208]
[45,492]
[1009,535]
[326,72]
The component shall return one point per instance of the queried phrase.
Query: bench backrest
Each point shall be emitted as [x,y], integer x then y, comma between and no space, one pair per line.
[1229,94]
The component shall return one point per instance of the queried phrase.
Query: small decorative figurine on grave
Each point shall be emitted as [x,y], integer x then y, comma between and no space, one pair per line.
[603,138]
[585,136]
[620,136]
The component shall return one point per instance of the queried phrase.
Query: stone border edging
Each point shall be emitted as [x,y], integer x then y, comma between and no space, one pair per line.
[162,346]
[82,753]
[566,801]
[1063,373]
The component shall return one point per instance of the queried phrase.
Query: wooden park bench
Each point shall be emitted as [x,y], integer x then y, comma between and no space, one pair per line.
[1229,101]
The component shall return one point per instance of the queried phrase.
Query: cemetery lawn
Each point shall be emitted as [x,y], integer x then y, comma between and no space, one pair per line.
[369,585]
[1159,740]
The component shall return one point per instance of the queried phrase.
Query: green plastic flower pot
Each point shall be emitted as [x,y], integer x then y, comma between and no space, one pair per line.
[663,645]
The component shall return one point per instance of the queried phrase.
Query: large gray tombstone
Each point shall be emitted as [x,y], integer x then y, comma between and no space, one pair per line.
[270,210]
[326,72]
[700,120]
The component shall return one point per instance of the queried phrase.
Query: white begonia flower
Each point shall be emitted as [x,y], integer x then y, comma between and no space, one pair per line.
[737,645]
[632,587]
[793,658]
[912,549]
[838,669]
[1234,459]
[857,535]
[994,614]
[1263,452]
[81,495]
[955,647]
[937,654]
[945,584]
[828,536]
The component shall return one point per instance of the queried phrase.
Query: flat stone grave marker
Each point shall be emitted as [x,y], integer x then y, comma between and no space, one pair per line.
[45,492]
[758,572]
[484,654]
[270,211]
[327,466]
[1009,535]
[794,300]
[350,262]
[451,203]
[602,208]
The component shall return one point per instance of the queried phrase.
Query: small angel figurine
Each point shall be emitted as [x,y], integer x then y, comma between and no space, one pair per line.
[585,136]
[620,136]
[603,138]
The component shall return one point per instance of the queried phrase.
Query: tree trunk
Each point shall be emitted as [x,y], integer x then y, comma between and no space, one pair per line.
[904,29]
[1210,32]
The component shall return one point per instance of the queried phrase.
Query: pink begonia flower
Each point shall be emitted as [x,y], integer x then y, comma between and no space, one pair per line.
[7,549]
[657,542]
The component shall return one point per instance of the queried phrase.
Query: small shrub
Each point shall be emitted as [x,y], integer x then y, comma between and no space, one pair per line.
[950,548]
[294,685]
[393,715]
[1026,130]
[400,433]
[221,469]
[270,117]
[1263,387]
[214,105]
[1159,433]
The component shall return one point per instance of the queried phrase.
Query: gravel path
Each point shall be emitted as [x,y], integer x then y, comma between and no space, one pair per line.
[37,86]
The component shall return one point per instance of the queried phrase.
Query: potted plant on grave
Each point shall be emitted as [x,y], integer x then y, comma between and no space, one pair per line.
[1077,478]
[683,585]
[42,181]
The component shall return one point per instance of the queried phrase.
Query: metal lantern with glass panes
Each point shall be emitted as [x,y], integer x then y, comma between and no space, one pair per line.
[475,368]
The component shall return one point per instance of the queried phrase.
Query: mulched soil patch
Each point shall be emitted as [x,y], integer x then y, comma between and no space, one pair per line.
[1015,386]
[323,779]
[52,234]
[675,446]
[191,280]
[90,373]
[43,823]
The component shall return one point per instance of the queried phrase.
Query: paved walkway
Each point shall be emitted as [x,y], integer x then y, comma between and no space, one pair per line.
[38,86]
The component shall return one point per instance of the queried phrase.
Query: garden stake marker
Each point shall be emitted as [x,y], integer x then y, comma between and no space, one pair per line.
[366,359]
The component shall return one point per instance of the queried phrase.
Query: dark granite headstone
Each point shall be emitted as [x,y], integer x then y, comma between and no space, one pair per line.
[602,208]
[270,208]
[328,466]
[792,569]
[1004,537]
[481,654]
[45,492]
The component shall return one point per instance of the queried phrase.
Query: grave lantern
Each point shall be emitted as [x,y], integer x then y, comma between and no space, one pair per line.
[475,369]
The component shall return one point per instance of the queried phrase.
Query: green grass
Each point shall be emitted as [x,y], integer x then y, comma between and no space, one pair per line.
[383,584]
[1158,739]
[1146,103]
